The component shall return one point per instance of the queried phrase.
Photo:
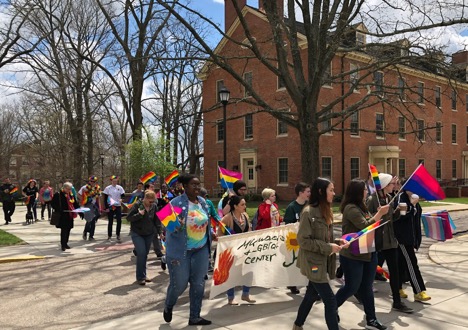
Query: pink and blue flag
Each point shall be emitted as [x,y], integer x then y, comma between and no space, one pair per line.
[228,177]
[168,216]
[423,184]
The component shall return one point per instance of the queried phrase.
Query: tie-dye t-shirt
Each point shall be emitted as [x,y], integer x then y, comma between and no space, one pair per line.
[197,220]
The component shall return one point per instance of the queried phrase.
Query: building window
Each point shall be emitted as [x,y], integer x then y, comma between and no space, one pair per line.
[454,99]
[378,81]
[401,89]
[327,75]
[466,135]
[248,82]
[220,164]
[401,128]
[13,161]
[282,127]
[420,92]
[438,169]
[438,101]
[466,102]
[420,161]
[379,125]
[282,170]
[219,86]
[454,133]
[281,83]
[421,130]
[326,167]
[354,76]
[454,169]
[360,39]
[220,131]
[439,131]
[326,123]
[354,168]
[402,168]
[248,126]
[354,123]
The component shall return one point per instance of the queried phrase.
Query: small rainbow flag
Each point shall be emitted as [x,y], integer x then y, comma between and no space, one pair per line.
[148,177]
[14,190]
[375,177]
[364,240]
[228,177]
[133,199]
[168,216]
[171,178]
[84,198]
[225,229]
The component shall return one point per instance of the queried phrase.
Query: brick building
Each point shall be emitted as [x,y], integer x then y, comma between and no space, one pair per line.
[267,151]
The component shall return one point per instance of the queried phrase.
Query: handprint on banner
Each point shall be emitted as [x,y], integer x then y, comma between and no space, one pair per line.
[221,273]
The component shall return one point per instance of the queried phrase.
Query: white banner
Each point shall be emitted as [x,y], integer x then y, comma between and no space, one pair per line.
[265,258]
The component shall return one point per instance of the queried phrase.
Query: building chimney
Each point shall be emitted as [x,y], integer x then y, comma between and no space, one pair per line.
[230,14]
[279,5]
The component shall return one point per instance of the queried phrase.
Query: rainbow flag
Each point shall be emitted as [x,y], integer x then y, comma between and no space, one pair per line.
[168,216]
[225,229]
[228,177]
[133,199]
[375,177]
[84,198]
[423,184]
[14,190]
[28,199]
[364,240]
[171,178]
[148,177]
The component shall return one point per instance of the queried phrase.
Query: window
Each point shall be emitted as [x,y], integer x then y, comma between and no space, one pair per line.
[454,133]
[281,82]
[401,89]
[354,76]
[219,86]
[379,125]
[13,161]
[326,123]
[248,126]
[421,133]
[378,81]
[327,75]
[220,164]
[438,169]
[401,128]
[402,168]
[454,99]
[248,82]
[466,135]
[354,168]
[454,169]
[282,170]
[282,127]
[438,102]
[220,131]
[466,102]
[360,39]
[439,131]
[420,161]
[354,123]
[326,167]
[420,92]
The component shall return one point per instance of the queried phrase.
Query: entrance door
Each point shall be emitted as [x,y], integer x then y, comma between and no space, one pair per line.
[249,172]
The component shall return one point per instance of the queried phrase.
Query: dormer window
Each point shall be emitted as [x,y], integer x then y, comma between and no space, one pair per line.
[360,39]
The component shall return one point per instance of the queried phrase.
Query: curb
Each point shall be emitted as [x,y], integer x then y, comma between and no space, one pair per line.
[433,255]
[20,258]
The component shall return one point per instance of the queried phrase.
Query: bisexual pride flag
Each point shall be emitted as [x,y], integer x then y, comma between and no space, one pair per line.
[228,177]
[424,185]
[171,179]
[168,216]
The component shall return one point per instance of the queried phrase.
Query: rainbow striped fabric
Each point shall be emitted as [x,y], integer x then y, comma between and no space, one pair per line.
[14,190]
[171,179]
[364,240]
[148,177]
[228,177]
[375,177]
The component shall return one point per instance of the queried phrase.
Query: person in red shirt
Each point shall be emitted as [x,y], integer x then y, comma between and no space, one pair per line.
[268,211]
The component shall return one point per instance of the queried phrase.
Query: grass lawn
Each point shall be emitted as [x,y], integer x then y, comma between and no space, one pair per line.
[7,239]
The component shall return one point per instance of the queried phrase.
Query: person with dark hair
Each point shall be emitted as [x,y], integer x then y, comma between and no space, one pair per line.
[239,189]
[293,211]
[359,269]
[31,192]
[114,193]
[408,234]
[188,250]
[388,247]
[7,193]
[139,192]
[238,221]
[316,258]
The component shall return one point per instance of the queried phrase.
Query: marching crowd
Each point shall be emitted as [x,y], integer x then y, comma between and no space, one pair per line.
[188,247]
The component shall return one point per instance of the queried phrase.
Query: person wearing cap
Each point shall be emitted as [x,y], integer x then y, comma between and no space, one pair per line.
[7,198]
[114,193]
[88,196]
[31,192]
[385,240]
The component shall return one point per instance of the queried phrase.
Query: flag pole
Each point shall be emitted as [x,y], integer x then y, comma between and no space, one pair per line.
[401,188]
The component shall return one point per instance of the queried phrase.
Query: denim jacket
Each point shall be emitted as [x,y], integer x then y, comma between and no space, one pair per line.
[176,242]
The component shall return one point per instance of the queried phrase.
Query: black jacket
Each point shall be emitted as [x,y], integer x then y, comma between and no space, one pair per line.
[147,224]
[408,227]
[59,204]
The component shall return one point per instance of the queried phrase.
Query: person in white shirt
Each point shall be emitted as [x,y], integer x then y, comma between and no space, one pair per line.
[113,195]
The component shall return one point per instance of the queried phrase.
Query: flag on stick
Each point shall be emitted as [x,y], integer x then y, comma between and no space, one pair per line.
[375,177]
[14,190]
[148,177]
[171,179]
[364,240]
[228,177]
[423,184]
[168,216]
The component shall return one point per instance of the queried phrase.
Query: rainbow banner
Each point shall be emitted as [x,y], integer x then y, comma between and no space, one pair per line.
[171,179]
[148,177]
[375,177]
[424,185]
[168,216]
[14,190]
[228,177]
[364,240]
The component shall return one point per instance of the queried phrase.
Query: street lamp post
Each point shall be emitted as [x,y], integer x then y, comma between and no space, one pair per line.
[224,95]
[101,155]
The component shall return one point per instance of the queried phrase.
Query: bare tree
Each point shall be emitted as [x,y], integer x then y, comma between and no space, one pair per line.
[10,134]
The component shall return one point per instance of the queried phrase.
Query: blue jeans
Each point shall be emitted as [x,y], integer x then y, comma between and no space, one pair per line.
[359,277]
[192,269]
[110,218]
[245,292]
[142,245]
[314,290]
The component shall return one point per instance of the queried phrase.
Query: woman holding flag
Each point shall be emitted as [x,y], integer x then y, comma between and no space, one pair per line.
[188,243]
[359,268]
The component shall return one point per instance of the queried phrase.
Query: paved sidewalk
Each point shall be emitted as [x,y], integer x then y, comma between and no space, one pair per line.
[444,272]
